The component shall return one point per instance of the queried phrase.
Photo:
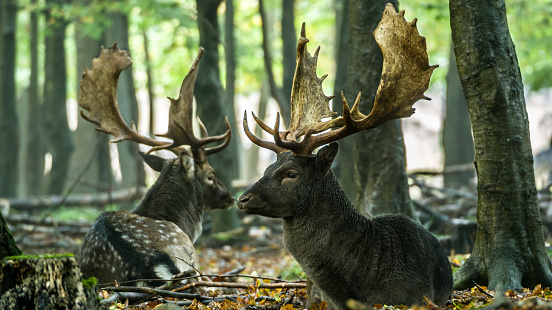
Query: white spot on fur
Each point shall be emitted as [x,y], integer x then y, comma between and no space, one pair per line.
[161,231]
[162,271]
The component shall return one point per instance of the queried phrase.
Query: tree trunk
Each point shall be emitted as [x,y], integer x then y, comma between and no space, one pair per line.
[9,125]
[44,283]
[344,170]
[509,251]
[7,244]
[89,142]
[289,41]
[382,183]
[132,166]
[60,140]
[35,149]
[211,107]
[457,136]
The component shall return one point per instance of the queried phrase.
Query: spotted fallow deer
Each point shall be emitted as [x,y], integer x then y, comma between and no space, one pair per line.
[389,259]
[155,240]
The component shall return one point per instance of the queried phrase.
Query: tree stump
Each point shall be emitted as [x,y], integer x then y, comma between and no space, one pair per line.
[44,282]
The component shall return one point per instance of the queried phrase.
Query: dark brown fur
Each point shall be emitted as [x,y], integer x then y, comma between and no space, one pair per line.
[390,259]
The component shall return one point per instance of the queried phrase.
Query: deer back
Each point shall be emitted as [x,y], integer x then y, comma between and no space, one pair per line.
[122,246]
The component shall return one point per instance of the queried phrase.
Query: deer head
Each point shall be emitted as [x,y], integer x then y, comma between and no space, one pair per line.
[405,78]
[99,98]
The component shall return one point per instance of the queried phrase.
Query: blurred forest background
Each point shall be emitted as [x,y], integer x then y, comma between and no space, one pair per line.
[48,149]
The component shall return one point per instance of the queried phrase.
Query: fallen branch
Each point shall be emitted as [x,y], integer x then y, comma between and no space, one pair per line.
[243,285]
[100,199]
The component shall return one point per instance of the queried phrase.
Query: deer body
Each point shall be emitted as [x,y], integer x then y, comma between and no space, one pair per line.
[155,240]
[387,260]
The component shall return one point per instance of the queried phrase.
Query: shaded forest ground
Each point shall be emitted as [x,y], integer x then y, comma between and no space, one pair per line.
[255,249]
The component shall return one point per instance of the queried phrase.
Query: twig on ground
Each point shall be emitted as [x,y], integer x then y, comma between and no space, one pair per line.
[243,285]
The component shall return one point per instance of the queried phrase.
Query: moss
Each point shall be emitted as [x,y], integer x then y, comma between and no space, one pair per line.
[90,283]
[18,257]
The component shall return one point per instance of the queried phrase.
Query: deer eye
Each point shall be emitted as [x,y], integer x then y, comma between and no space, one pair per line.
[211,177]
[292,174]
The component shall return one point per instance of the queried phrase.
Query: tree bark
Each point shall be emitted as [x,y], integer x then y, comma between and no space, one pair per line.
[60,140]
[89,142]
[9,125]
[7,244]
[35,149]
[212,108]
[132,166]
[382,183]
[44,283]
[509,251]
[457,136]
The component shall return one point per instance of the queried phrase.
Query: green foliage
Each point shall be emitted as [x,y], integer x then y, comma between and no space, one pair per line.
[43,256]
[293,272]
[90,282]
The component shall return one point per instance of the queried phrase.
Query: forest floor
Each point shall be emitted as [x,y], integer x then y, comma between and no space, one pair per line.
[263,274]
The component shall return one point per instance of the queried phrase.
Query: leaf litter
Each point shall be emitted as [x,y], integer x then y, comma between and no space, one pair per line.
[267,265]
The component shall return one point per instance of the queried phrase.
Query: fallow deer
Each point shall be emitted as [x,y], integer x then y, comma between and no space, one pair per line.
[155,240]
[389,259]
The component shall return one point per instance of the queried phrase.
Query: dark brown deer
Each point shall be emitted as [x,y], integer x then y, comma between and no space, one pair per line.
[389,259]
[155,240]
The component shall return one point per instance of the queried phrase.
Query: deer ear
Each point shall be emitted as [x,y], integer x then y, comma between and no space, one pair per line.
[155,162]
[324,158]
[187,165]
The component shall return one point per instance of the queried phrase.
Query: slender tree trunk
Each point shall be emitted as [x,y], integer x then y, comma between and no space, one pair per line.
[151,124]
[89,142]
[344,170]
[9,125]
[35,150]
[380,161]
[132,166]
[457,136]
[509,251]
[212,108]
[60,140]
[289,40]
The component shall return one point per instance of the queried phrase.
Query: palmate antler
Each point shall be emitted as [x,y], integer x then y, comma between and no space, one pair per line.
[405,78]
[99,98]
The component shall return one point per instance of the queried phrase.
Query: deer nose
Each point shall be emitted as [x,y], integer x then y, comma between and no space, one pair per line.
[243,200]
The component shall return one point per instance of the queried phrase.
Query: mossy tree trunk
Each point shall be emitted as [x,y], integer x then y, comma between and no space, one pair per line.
[7,244]
[380,160]
[44,283]
[509,251]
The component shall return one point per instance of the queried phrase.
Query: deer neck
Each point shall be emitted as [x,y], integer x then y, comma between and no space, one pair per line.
[329,209]
[173,200]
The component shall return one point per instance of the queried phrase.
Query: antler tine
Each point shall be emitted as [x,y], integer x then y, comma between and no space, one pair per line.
[99,96]
[180,119]
[226,137]
[264,144]
[403,83]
